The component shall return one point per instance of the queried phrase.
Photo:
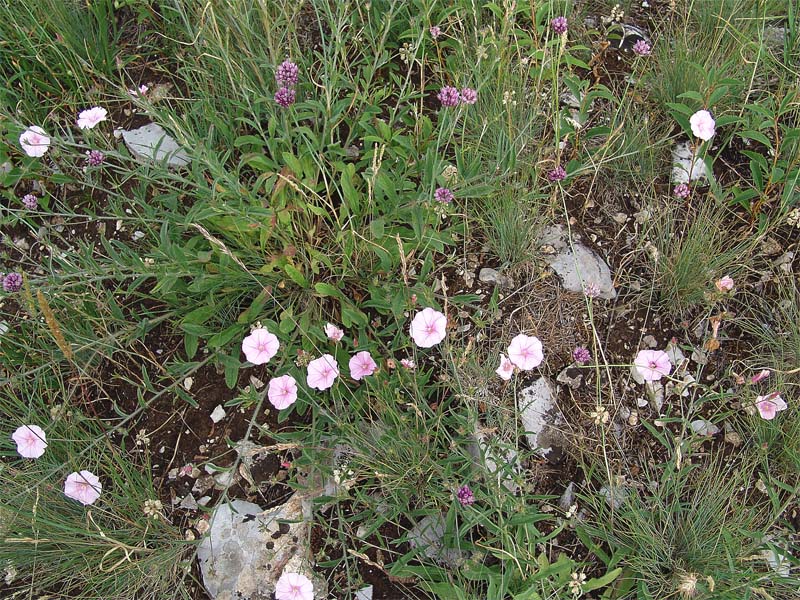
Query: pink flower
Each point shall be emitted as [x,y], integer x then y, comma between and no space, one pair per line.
[448,96]
[85,487]
[362,365]
[652,364]
[702,125]
[760,376]
[34,141]
[506,368]
[682,190]
[282,391]
[333,332]
[435,31]
[725,284]
[770,405]
[31,441]
[469,96]
[260,346]
[143,89]
[90,117]
[408,364]
[428,328]
[525,351]
[294,586]
[322,372]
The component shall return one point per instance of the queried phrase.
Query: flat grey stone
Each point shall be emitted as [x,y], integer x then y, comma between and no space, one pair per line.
[246,550]
[151,143]
[487,275]
[364,593]
[683,171]
[540,416]
[575,264]
[428,534]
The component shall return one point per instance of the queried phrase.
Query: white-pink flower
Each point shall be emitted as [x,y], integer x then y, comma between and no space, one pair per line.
[362,365]
[702,124]
[770,405]
[408,364]
[260,346]
[725,284]
[322,372]
[763,374]
[282,391]
[428,328]
[294,586]
[89,118]
[31,441]
[525,351]
[143,89]
[506,368]
[34,141]
[85,487]
[652,364]
[333,332]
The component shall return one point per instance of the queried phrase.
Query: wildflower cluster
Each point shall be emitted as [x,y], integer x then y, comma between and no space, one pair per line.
[286,76]
[450,96]
[524,352]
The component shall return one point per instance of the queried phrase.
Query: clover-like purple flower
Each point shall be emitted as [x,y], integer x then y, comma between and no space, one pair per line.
[642,48]
[449,96]
[559,25]
[557,174]
[285,97]
[30,201]
[12,282]
[581,355]
[443,195]
[286,74]
[94,158]
[465,496]
[469,96]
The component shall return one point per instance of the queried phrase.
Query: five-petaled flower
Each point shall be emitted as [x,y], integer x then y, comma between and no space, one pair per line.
[282,391]
[294,586]
[34,141]
[506,368]
[702,124]
[651,365]
[362,365]
[89,118]
[322,372]
[31,441]
[428,328]
[85,487]
[770,405]
[260,346]
[525,351]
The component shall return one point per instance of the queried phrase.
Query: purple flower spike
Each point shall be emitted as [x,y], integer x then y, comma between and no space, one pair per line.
[30,201]
[286,74]
[285,97]
[559,25]
[581,355]
[469,96]
[557,174]
[465,496]
[12,282]
[94,158]
[443,195]
[449,96]
[642,48]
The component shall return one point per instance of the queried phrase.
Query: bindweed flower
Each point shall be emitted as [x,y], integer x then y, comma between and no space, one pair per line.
[34,141]
[285,97]
[30,201]
[94,158]
[724,285]
[435,31]
[362,365]
[559,25]
[282,391]
[651,365]
[506,368]
[333,332]
[322,372]
[428,328]
[642,48]
[448,96]
[260,346]
[760,376]
[525,351]
[557,174]
[681,190]
[465,496]
[89,118]
[294,586]
[85,487]
[770,405]
[286,74]
[469,96]
[581,355]
[31,441]
[143,89]
[408,364]
[702,124]
[443,195]
[12,282]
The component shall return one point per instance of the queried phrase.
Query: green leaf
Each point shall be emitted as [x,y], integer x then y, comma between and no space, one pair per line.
[598,582]
[190,344]
[349,192]
[327,290]
[295,275]
[200,315]
[224,336]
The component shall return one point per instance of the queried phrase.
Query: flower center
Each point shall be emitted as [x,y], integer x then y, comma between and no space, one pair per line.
[653,364]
